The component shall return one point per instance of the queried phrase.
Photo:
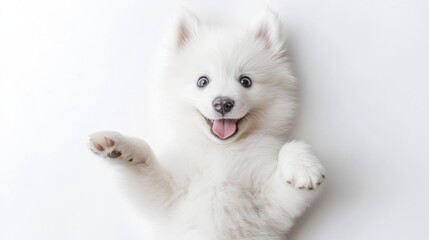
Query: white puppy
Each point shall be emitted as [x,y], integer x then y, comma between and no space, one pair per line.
[224,168]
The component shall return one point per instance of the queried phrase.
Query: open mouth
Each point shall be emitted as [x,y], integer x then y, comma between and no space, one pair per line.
[224,128]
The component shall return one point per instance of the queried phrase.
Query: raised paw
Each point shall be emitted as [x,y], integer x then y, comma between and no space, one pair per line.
[300,167]
[113,145]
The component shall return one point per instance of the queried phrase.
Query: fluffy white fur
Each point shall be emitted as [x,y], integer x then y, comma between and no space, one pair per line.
[194,185]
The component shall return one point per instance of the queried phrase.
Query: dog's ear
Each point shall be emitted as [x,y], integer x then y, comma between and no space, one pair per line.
[269,30]
[186,28]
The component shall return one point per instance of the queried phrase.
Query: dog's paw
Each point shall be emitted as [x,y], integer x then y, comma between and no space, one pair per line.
[114,146]
[300,167]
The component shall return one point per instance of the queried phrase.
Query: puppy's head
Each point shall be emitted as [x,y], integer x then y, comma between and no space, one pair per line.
[229,84]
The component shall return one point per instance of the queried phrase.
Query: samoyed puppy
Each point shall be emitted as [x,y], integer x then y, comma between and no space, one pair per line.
[224,168]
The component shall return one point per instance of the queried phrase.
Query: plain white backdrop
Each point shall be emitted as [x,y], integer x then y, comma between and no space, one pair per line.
[72,67]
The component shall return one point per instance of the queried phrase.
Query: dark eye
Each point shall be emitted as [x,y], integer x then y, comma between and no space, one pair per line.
[202,82]
[245,81]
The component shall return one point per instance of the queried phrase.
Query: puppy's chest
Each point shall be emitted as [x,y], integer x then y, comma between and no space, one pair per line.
[229,185]
[227,197]
[226,208]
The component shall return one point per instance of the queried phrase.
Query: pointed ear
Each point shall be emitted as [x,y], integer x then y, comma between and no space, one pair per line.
[186,28]
[269,30]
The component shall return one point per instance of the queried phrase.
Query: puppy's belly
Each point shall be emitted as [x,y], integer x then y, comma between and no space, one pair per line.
[223,211]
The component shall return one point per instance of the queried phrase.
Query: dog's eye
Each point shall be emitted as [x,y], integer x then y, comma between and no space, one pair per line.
[245,81]
[202,82]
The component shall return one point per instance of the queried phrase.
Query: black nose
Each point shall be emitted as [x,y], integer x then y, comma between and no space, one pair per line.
[223,104]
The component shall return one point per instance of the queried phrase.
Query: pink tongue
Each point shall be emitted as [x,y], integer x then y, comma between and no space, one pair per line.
[224,128]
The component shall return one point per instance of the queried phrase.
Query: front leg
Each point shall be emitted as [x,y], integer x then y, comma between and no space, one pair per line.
[297,179]
[151,186]
[299,167]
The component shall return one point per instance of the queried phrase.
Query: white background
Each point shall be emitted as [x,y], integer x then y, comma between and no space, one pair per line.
[68,68]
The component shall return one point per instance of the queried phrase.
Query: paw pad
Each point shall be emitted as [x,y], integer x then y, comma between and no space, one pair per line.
[97,146]
[109,142]
[114,154]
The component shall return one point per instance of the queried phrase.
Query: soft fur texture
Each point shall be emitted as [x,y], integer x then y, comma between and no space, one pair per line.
[195,185]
